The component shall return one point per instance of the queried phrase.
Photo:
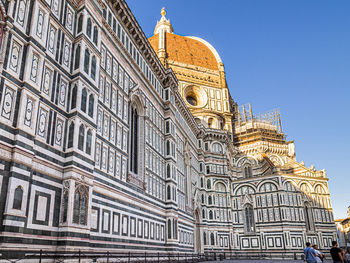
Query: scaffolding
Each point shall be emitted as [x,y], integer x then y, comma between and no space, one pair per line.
[245,115]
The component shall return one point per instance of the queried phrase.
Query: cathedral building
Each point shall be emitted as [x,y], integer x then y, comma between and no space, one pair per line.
[110,141]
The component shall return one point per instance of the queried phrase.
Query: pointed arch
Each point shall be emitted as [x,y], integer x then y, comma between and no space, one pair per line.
[91,105]
[74,97]
[93,67]
[95,37]
[81,137]
[70,135]
[88,141]
[87,61]
[249,218]
[83,100]
[212,239]
[88,27]
[169,228]
[18,198]
[80,209]
[77,57]
[80,23]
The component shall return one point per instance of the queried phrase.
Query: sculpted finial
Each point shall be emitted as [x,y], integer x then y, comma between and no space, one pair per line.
[162,12]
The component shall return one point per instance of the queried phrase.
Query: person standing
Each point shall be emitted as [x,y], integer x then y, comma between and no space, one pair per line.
[336,253]
[310,254]
[319,254]
[347,255]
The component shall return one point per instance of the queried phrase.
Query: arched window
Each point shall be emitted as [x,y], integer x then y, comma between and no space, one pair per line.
[168,192]
[93,67]
[210,200]
[202,198]
[91,105]
[74,97]
[169,228]
[70,135]
[217,148]
[77,57]
[247,171]
[204,238]
[208,184]
[88,141]
[17,199]
[168,147]
[80,205]
[134,141]
[88,27]
[308,217]
[168,175]
[87,61]
[210,214]
[80,23]
[203,213]
[64,206]
[212,239]
[220,187]
[95,38]
[210,122]
[202,182]
[83,100]
[249,218]
[175,229]
[81,137]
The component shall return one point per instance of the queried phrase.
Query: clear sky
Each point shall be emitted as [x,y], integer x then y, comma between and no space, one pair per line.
[293,55]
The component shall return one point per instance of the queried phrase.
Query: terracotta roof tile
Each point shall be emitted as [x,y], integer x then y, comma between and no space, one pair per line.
[186,50]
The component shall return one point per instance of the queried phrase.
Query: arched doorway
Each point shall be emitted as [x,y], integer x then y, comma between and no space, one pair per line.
[197,233]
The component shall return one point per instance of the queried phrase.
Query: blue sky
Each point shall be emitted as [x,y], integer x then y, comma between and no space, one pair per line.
[293,55]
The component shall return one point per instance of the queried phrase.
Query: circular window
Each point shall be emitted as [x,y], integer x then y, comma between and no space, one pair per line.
[191,100]
[195,96]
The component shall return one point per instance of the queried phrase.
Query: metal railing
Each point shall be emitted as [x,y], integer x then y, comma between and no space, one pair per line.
[109,257]
[80,256]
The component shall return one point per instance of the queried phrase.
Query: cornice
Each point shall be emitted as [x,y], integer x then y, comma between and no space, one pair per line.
[130,24]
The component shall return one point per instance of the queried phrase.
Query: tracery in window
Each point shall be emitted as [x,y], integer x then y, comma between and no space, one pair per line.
[248,171]
[80,205]
[217,148]
[249,219]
